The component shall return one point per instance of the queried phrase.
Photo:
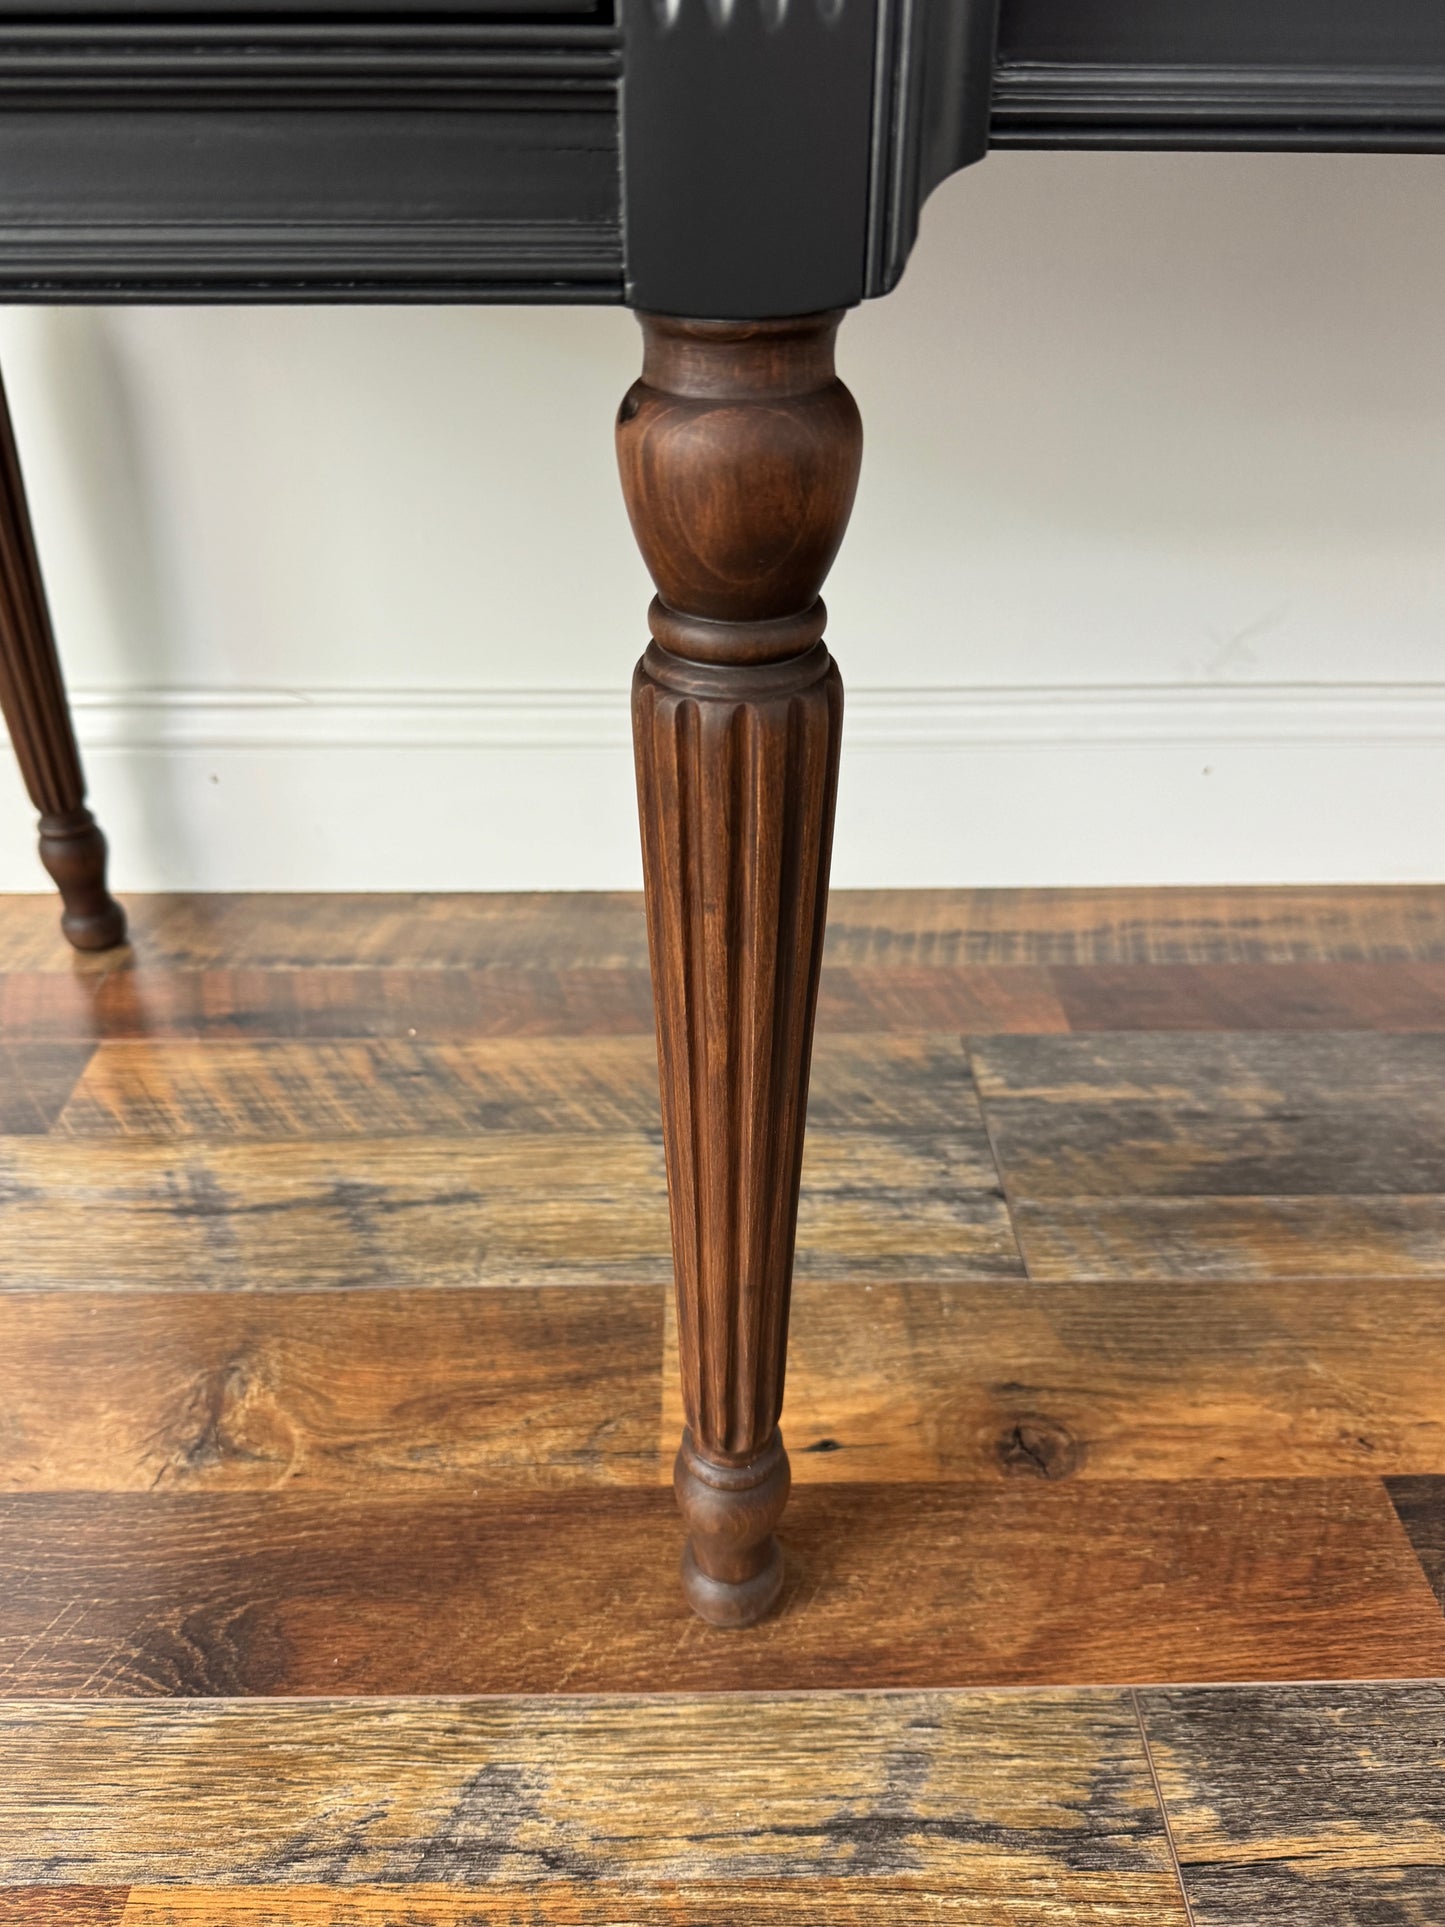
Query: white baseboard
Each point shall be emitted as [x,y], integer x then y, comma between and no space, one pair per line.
[1082,716]
[529,788]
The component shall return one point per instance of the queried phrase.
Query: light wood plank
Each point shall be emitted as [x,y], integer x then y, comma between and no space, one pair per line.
[598,930]
[943,1382]
[1258,1241]
[349,1392]
[1040,1806]
[427,1212]
[1187,925]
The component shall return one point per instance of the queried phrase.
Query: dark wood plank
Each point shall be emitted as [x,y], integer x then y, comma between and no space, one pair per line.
[963,1803]
[35,1082]
[1298,1805]
[51,1906]
[1114,1381]
[1144,1155]
[326,1002]
[425,1212]
[1028,1582]
[396,1087]
[342,1391]
[1419,1499]
[1397,996]
[982,999]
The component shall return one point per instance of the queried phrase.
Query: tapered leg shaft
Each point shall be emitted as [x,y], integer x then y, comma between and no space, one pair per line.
[37,714]
[739,451]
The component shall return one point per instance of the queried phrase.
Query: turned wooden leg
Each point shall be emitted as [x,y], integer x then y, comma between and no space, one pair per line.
[37,714]
[739,450]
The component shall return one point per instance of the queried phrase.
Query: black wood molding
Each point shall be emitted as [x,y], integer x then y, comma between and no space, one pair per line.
[1337,75]
[346,153]
[700,157]
[932,90]
[1200,108]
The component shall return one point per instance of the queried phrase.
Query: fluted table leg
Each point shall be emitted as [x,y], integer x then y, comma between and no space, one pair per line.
[739,450]
[37,714]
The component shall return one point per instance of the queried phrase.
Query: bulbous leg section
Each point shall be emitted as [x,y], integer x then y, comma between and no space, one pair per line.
[73,850]
[732,1566]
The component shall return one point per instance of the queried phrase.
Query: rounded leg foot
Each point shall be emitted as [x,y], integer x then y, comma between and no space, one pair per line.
[732,1569]
[73,851]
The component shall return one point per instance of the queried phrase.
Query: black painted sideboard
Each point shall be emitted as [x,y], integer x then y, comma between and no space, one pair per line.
[741,172]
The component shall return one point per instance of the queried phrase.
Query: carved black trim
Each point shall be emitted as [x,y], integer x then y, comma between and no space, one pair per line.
[1336,74]
[1242,109]
[465,154]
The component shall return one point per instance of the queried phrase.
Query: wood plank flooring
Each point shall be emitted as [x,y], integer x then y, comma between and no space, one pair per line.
[337,1407]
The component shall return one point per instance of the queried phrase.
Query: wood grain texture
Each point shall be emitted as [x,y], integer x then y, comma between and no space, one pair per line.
[1112,1381]
[406,930]
[51,1906]
[1240,1240]
[874,929]
[1136,1900]
[494,1001]
[36,1080]
[1298,1805]
[1145,1154]
[161,1214]
[880,928]
[426,1212]
[347,1392]
[739,451]
[1030,1582]
[391,1087]
[380,1390]
[1027,1809]
[1304,995]
[1419,1500]
[328,1002]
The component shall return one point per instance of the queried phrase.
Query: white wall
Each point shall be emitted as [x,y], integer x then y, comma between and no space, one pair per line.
[1146,579]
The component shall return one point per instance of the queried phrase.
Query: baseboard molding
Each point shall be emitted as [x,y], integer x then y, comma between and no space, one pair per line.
[277,789]
[956,717]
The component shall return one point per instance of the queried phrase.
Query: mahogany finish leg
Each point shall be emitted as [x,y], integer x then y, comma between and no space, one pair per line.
[739,450]
[37,714]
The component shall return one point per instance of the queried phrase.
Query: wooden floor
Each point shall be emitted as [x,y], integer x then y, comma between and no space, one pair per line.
[337,1551]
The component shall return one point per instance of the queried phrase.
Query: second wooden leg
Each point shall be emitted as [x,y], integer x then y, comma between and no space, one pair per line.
[739,451]
[37,713]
